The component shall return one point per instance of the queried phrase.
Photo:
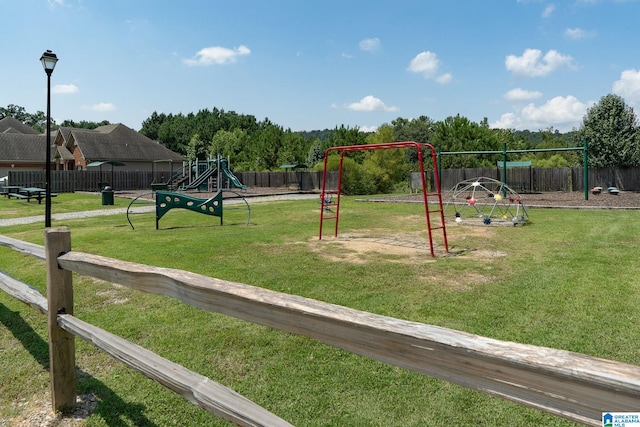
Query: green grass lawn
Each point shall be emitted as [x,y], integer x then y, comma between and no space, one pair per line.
[63,203]
[568,280]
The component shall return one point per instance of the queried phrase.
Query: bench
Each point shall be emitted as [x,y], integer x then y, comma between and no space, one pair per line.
[18,196]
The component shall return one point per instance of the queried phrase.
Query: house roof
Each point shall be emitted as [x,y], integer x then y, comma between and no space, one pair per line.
[18,147]
[116,142]
[64,153]
[11,125]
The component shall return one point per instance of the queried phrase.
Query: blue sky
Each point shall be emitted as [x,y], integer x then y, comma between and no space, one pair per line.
[307,64]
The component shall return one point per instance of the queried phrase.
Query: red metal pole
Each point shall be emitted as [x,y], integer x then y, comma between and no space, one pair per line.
[406,144]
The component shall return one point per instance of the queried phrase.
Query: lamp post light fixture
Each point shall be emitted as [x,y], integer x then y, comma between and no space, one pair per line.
[48,60]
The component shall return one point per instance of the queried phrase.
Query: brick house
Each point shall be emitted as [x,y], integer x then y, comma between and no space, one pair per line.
[23,148]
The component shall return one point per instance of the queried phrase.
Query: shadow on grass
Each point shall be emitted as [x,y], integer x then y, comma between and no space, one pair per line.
[111,408]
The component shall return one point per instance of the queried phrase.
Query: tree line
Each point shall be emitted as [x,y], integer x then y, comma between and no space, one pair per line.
[610,126]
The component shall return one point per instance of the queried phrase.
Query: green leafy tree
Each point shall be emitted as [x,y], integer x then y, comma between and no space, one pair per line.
[83,124]
[175,133]
[38,120]
[554,161]
[197,148]
[266,144]
[387,167]
[344,136]
[553,139]
[611,130]
[17,112]
[355,179]
[293,149]
[382,135]
[514,139]
[420,130]
[459,134]
[233,145]
[151,126]
[315,153]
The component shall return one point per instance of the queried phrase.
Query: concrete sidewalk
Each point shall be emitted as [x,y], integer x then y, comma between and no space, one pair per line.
[142,209]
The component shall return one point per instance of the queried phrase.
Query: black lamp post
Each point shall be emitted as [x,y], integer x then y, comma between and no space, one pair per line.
[48,60]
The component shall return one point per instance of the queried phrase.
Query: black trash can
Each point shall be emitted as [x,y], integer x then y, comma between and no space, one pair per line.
[107,196]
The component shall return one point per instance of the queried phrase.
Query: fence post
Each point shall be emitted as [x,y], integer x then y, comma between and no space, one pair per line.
[60,300]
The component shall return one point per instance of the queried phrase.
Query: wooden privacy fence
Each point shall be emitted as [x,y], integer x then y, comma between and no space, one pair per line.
[563,383]
[520,179]
[524,179]
[93,180]
[79,180]
[303,179]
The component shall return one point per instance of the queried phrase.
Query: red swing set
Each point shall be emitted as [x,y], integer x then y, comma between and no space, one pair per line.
[328,201]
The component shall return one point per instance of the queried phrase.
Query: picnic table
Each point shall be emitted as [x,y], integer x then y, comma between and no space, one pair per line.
[10,189]
[27,193]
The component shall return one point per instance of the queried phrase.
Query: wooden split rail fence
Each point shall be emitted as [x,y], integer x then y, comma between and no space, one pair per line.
[566,384]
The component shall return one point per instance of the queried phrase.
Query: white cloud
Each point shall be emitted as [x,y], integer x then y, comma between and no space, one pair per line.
[563,113]
[548,11]
[64,89]
[628,86]
[103,106]
[217,55]
[428,64]
[507,121]
[370,45]
[519,95]
[533,64]
[558,110]
[370,103]
[577,34]
[54,3]
[444,78]
[368,128]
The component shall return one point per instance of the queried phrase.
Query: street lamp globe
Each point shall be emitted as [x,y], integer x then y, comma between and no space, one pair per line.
[48,60]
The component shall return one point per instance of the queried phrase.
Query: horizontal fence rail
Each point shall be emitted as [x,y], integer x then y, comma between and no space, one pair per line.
[192,386]
[570,385]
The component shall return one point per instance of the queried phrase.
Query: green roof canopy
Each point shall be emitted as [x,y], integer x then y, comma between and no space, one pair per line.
[515,164]
[106,162]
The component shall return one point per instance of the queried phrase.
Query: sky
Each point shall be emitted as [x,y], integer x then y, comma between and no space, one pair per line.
[317,64]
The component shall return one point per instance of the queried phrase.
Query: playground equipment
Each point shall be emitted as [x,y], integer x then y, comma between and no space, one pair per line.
[504,152]
[486,201]
[216,169]
[614,191]
[167,200]
[327,200]
[175,176]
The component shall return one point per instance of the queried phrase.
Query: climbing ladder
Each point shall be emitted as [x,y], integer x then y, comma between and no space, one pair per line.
[330,205]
